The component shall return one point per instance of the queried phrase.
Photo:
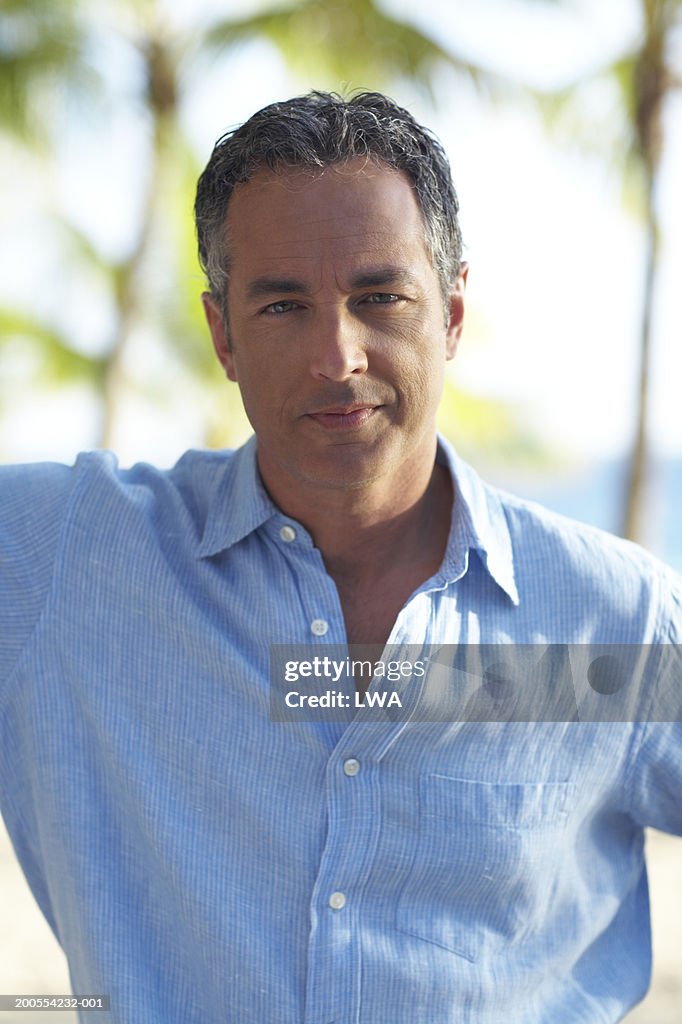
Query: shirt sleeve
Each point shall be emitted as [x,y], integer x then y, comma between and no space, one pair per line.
[33,504]
[656,780]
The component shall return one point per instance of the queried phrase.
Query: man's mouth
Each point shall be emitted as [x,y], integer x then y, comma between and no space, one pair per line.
[344,417]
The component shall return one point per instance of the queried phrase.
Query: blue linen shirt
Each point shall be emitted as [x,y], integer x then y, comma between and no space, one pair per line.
[200,862]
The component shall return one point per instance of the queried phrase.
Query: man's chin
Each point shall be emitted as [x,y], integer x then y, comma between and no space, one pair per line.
[339,465]
[344,467]
[357,474]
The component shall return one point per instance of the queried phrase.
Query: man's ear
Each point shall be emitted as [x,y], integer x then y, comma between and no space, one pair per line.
[219,334]
[456,312]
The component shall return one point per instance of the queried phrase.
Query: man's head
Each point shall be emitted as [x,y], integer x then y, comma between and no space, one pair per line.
[323,130]
[329,232]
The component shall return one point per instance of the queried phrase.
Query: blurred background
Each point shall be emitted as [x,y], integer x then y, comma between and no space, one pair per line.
[563,123]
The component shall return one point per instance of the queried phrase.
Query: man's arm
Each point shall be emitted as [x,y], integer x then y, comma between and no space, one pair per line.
[656,775]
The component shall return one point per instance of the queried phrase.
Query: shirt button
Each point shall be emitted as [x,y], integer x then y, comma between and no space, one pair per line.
[287,533]
[319,627]
[337,901]
[351,766]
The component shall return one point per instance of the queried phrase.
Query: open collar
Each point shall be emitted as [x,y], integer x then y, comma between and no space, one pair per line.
[239,504]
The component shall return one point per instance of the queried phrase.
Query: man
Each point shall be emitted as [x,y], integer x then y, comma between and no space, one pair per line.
[202,858]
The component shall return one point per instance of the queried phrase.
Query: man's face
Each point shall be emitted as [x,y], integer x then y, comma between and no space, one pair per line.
[337,332]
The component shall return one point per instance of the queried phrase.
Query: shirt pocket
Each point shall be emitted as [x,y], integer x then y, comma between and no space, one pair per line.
[486,861]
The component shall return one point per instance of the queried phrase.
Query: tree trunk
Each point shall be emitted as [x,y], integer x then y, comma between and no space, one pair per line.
[639,470]
[651,84]
[162,104]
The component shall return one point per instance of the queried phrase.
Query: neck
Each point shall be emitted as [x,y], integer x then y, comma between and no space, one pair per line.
[366,531]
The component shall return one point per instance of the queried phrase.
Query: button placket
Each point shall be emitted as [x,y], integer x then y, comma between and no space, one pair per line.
[352,815]
[323,617]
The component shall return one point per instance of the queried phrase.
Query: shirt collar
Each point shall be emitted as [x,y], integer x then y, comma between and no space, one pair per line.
[478,524]
[239,504]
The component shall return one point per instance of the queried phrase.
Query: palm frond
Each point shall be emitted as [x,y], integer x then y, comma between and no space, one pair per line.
[58,362]
[354,42]
[42,54]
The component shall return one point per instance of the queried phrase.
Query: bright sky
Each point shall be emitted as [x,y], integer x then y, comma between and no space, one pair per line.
[556,261]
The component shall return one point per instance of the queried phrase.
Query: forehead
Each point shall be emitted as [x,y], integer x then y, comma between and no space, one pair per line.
[348,212]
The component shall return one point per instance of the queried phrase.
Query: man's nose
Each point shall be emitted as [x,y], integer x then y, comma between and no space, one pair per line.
[338,349]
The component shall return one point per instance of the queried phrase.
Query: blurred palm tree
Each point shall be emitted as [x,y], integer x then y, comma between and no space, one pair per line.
[647,78]
[643,79]
[40,43]
[352,42]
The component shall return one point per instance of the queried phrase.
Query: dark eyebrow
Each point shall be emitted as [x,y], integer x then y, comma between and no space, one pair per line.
[376,277]
[390,275]
[274,285]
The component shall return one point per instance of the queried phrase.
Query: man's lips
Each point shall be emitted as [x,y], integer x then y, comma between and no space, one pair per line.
[343,417]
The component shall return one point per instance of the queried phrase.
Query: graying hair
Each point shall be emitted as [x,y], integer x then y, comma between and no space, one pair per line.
[321,130]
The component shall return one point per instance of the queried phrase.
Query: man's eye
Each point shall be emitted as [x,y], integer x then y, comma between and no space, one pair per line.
[283,306]
[381,298]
